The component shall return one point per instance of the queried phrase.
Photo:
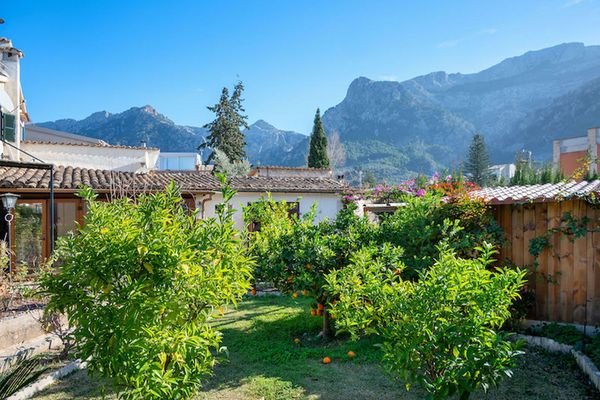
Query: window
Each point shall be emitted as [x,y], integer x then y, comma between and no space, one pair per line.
[293,208]
[177,163]
[8,127]
[66,217]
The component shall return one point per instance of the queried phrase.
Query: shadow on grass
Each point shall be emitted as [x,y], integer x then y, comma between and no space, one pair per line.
[263,356]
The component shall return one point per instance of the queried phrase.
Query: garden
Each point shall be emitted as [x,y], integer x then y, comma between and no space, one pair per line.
[163,305]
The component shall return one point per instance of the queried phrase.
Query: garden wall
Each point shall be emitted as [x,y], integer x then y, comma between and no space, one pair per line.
[572,292]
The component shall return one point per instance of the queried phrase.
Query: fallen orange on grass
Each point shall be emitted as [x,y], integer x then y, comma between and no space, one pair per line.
[295,295]
[326,360]
[351,354]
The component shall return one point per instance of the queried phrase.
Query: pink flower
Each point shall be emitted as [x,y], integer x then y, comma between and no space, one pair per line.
[420,192]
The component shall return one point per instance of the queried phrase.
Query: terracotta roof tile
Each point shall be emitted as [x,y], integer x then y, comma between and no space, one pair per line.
[72,178]
[291,184]
[538,193]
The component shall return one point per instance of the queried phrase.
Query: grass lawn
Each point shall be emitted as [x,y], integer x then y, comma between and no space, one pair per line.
[265,363]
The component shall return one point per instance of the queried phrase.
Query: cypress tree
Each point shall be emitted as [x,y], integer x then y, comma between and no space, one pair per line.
[478,162]
[317,154]
[225,131]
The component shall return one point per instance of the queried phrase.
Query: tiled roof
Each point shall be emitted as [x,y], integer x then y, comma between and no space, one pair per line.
[538,193]
[72,178]
[291,184]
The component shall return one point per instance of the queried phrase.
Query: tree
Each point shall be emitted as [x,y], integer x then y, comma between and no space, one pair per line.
[335,150]
[141,283]
[478,162]
[441,331]
[225,131]
[295,254]
[369,180]
[317,153]
[224,166]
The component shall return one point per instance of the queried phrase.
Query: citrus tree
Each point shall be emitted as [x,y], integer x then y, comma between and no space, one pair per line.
[295,254]
[425,221]
[140,283]
[440,331]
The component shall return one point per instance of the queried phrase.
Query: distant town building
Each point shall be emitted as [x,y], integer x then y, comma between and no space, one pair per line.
[570,155]
[503,172]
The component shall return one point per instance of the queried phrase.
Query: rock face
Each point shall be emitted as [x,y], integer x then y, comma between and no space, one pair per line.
[429,120]
[265,143]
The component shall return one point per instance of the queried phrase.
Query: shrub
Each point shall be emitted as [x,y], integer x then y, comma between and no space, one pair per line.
[439,331]
[424,222]
[140,283]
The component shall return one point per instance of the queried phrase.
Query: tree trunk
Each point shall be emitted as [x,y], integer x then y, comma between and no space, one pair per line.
[327,329]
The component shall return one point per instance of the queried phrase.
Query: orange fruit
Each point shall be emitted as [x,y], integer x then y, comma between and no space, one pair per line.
[320,307]
[313,312]
[295,295]
[319,312]
[253,291]
[351,354]
[326,360]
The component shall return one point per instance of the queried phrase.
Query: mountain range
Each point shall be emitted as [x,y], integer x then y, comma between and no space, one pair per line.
[266,144]
[397,129]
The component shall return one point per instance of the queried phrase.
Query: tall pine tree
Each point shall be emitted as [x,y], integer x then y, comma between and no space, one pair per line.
[317,154]
[225,131]
[478,162]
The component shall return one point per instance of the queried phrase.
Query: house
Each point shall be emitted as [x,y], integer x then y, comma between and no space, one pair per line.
[13,114]
[578,154]
[39,220]
[300,187]
[566,276]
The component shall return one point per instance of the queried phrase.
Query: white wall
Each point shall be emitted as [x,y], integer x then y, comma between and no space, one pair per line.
[11,91]
[328,204]
[93,157]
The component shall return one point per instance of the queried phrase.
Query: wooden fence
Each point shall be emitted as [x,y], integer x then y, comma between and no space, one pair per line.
[572,294]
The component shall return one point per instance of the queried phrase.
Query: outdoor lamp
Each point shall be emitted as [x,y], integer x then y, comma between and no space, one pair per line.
[9,200]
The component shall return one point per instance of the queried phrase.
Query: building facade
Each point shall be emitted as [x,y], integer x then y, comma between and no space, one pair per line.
[578,154]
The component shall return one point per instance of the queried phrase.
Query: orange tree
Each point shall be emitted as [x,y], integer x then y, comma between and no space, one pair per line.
[440,331]
[140,284]
[423,222]
[295,254]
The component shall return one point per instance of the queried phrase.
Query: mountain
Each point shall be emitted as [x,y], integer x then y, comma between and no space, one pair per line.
[567,116]
[427,122]
[265,143]
[424,124]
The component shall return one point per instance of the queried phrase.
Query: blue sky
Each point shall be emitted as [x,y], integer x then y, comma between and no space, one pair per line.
[293,56]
